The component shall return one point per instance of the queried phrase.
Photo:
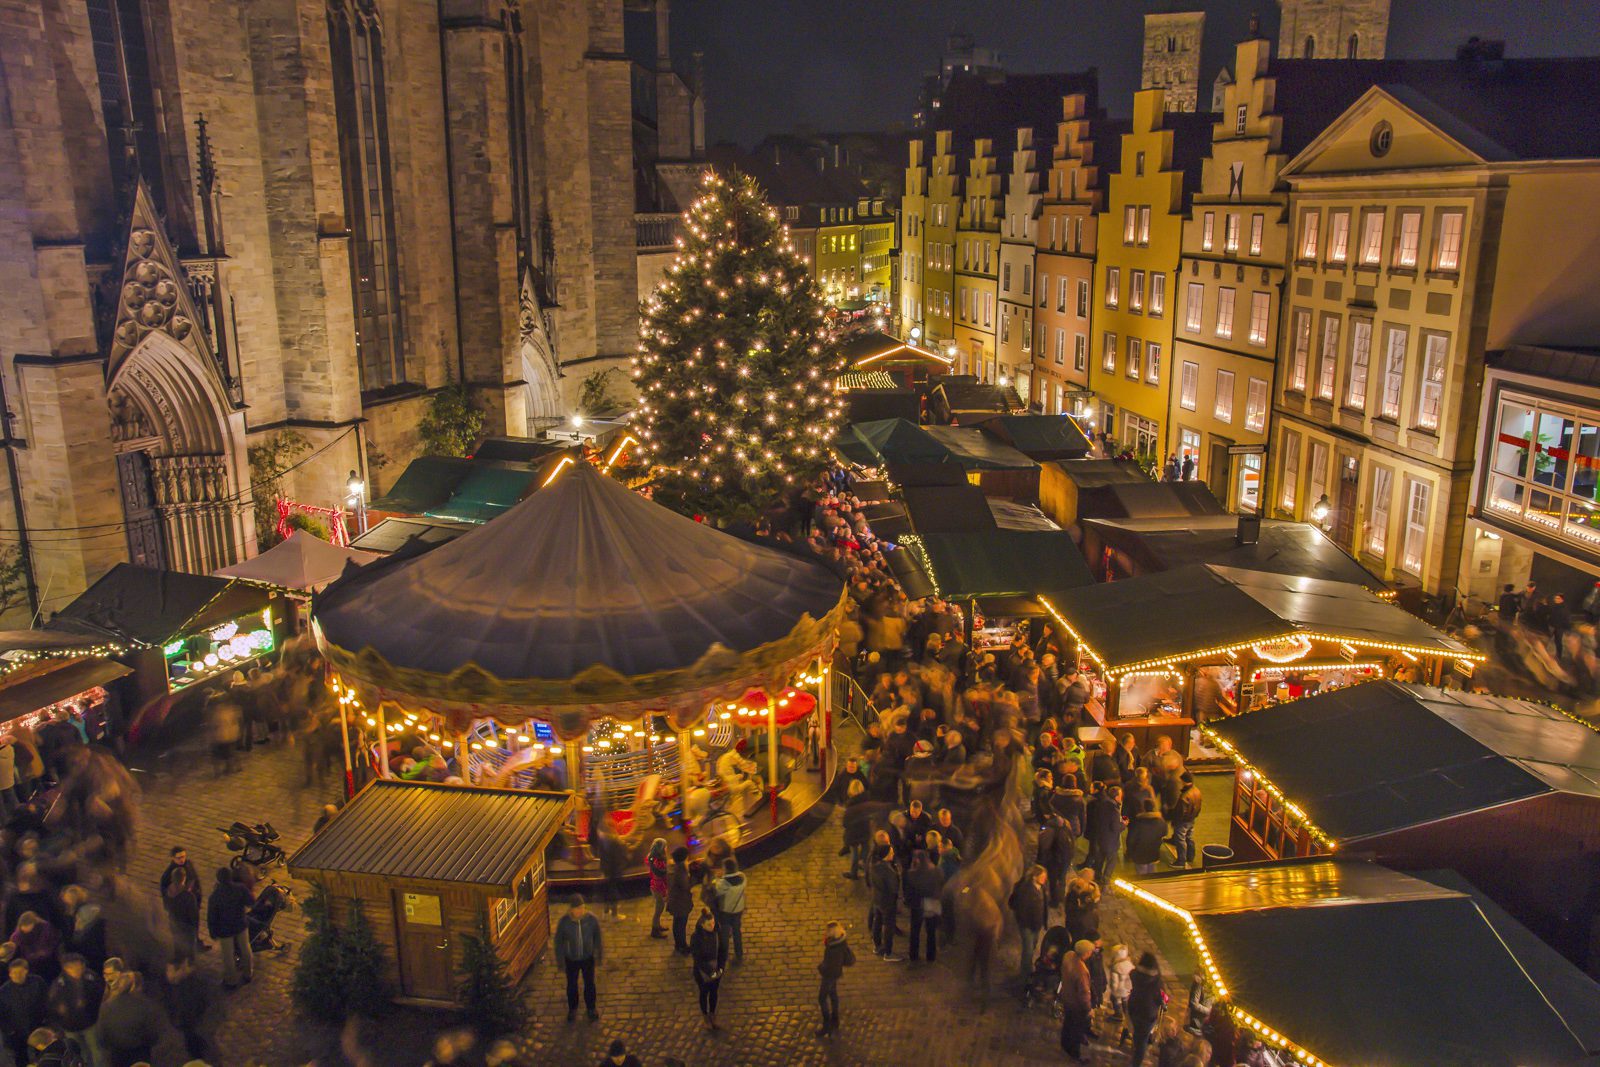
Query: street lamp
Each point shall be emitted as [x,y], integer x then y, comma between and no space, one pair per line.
[916,334]
[356,497]
[1320,510]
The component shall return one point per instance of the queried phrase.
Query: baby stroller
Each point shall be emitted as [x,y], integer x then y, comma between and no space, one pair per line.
[1045,980]
[272,899]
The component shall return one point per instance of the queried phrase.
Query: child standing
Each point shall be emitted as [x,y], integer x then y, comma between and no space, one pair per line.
[1119,984]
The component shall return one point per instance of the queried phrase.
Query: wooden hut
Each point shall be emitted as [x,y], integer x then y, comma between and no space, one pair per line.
[424,861]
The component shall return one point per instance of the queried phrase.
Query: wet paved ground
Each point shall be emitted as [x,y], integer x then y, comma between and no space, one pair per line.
[893,1013]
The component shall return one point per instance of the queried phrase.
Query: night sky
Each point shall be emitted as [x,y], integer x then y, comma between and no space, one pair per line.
[776,65]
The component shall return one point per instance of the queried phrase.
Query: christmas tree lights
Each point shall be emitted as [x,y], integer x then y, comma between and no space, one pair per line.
[736,363]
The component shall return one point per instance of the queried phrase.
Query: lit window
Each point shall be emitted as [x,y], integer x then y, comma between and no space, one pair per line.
[1378,511]
[1230,232]
[1158,294]
[1308,234]
[1208,225]
[1061,294]
[1130,224]
[1108,358]
[1338,236]
[1300,355]
[1371,238]
[1289,477]
[1255,405]
[1224,313]
[1044,289]
[1260,308]
[1083,299]
[1189,386]
[1134,360]
[1080,353]
[1239,117]
[1258,224]
[1136,290]
[1355,394]
[1328,357]
[1224,406]
[1152,363]
[1434,349]
[1113,285]
[1447,254]
[1317,472]
[1144,225]
[1194,307]
[1061,347]
[1394,373]
[1408,240]
[1416,542]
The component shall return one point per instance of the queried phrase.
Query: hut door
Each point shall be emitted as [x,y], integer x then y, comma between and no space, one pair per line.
[424,946]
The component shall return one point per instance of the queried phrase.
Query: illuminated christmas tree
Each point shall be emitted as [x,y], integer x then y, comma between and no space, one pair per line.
[736,363]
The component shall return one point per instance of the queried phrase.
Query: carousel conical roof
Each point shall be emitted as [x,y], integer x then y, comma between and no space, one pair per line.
[584,578]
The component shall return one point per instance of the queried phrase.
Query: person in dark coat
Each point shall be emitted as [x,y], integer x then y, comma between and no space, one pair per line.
[836,956]
[1145,834]
[187,999]
[709,952]
[1077,1000]
[1056,847]
[884,878]
[230,928]
[22,1008]
[1104,831]
[680,898]
[948,830]
[578,947]
[130,1023]
[860,812]
[1028,906]
[1145,1000]
[923,884]
[73,1003]
[182,903]
[1103,768]
[36,941]
[1081,911]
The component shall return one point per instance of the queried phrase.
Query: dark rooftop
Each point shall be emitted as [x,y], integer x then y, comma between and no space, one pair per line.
[1378,757]
[436,833]
[145,605]
[1284,547]
[1576,366]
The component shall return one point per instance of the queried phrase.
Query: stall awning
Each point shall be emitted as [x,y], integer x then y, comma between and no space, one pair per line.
[51,687]
[1039,436]
[890,441]
[999,563]
[865,379]
[436,833]
[1376,758]
[1282,547]
[1357,964]
[302,562]
[148,606]
[487,492]
[1203,610]
[905,563]
[948,508]
[976,452]
[1147,500]
[427,482]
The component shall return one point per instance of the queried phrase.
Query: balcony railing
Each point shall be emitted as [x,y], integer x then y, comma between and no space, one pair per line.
[655,232]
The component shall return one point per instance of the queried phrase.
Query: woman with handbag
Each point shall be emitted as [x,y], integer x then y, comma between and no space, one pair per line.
[709,955]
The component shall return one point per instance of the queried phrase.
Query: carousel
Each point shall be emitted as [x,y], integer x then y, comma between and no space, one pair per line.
[664,672]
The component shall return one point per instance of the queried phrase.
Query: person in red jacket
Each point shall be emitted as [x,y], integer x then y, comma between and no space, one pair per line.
[1076,1000]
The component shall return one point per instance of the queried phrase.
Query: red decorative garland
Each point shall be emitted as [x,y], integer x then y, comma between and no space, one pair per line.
[337,533]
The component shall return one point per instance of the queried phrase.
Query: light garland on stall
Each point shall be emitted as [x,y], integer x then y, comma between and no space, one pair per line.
[1241,646]
[1214,974]
[18,657]
[915,543]
[1083,646]
[1315,832]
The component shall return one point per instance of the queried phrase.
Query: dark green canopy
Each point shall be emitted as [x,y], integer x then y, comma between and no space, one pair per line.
[995,563]
[1039,436]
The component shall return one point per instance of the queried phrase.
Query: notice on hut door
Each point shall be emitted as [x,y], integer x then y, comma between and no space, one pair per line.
[422,909]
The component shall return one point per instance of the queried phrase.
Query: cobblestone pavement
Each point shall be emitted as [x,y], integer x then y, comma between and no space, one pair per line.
[893,1013]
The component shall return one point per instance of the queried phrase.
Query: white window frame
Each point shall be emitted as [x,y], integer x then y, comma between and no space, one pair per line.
[1380,504]
[1108,355]
[1395,342]
[1194,307]
[1158,294]
[1430,384]
[1289,476]
[1447,243]
[1260,315]
[1355,389]
[1061,347]
[1061,293]
[1130,224]
[1414,544]
[1225,298]
[1144,226]
[1208,226]
[1135,363]
[1299,349]
[1339,236]
[1222,408]
[1255,404]
[1152,362]
[1230,232]
[1310,219]
[1240,115]
[1113,287]
[1083,299]
[1408,239]
[1189,385]
[1136,291]
[1371,250]
[1328,357]
[1258,226]
[1080,352]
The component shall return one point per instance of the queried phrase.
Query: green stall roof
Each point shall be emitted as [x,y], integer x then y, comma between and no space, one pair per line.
[998,563]
[488,492]
[427,482]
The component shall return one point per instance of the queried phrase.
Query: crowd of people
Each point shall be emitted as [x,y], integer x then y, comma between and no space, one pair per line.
[1552,641]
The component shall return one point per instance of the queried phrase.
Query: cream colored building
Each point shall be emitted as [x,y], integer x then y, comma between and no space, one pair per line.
[1431,223]
[977,265]
[1018,227]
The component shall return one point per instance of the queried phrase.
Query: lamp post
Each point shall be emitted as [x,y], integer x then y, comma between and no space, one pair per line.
[356,499]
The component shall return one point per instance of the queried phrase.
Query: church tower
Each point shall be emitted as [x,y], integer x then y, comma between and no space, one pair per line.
[1172,56]
[1333,29]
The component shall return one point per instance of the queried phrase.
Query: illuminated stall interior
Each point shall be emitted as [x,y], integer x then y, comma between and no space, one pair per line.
[1180,647]
[590,638]
[906,362]
[1338,961]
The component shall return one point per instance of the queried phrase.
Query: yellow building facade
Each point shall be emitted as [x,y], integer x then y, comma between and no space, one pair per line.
[913,227]
[1419,243]
[939,246]
[1226,302]
[1064,243]
[1018,223]
[1141,237]
[977,265]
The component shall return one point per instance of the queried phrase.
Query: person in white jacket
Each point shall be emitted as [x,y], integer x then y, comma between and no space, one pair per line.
[1119,983]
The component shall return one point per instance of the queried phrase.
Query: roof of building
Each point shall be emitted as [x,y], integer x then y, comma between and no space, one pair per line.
[1094,473]
[947,508]
[392,533]
[1374,758]
[149,606]
[302,561]
[999,563]
[974,105]
[1144,499]
[1157,618]
[973,450]
[1576,366]
[429,832]
[1039,436]
[1503,109]
[1356,963]
[1284,547]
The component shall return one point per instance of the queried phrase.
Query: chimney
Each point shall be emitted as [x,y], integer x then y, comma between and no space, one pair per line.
[1249,530]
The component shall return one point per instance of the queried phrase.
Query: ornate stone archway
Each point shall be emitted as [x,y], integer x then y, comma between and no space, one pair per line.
[179,439]
[540,371]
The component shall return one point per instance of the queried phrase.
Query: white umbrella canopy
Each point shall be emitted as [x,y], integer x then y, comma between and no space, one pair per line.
[302,562]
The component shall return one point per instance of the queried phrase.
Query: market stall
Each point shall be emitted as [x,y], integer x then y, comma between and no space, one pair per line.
[45,674]
[1347,962]
[1173,648]
[583,637]
[181,632]
[1119,548]
[426,863]
[297,567]
[1505,791]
